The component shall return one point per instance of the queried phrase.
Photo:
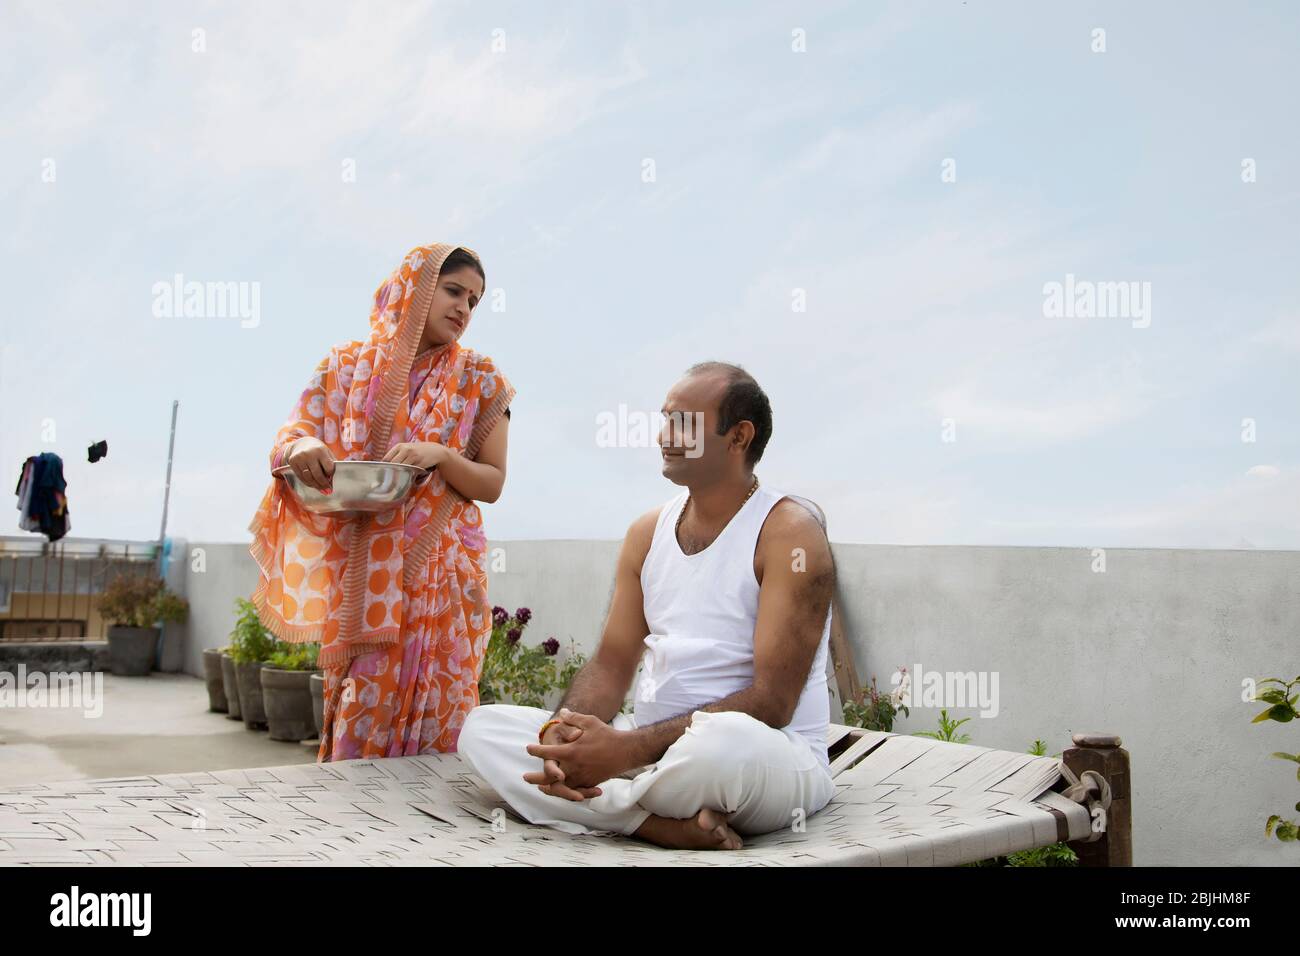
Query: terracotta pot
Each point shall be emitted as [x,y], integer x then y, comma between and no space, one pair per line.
[251,707]
[131,650]
[230,683]
[287,697]
[215,680]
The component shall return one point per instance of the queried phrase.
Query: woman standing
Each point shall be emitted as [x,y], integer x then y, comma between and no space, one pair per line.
[397,599]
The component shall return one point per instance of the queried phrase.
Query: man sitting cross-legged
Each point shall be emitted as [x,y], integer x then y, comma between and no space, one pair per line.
[726,592]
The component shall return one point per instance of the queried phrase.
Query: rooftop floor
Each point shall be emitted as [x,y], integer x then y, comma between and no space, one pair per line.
[150,725]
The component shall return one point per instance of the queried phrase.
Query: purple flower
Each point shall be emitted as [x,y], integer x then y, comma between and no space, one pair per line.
[513,634]
[499,616]
[523,615]
[551,646]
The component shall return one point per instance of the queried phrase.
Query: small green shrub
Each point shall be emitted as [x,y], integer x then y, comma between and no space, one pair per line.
[877,711]
[293,657]
[947,729]
[135,599]
[250,641]
[1281,709]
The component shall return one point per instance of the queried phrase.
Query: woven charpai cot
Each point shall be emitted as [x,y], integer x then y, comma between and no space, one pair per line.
[900,801]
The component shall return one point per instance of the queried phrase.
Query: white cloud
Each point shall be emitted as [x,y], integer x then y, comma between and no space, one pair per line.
[877,153]
[70,108]
[1062,407]
[1283,333]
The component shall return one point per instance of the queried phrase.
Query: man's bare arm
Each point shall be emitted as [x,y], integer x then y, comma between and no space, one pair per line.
[601,686]
[793,600]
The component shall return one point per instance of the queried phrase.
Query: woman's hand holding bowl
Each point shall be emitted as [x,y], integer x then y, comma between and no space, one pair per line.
[312,462]
[421,454]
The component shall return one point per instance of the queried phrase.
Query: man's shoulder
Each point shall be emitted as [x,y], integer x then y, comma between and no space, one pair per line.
[644,523]
[642,529]
[791,524]
[793,516]
[641,532]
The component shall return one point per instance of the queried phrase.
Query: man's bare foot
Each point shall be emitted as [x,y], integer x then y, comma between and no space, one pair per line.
[707,830]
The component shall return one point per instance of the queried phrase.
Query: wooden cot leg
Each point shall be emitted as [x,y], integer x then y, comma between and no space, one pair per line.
[1103,753]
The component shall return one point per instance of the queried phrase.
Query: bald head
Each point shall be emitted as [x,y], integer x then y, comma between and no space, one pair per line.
[717,423]
[739,398]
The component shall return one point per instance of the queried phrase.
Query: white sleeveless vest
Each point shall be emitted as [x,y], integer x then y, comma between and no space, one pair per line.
[701,609]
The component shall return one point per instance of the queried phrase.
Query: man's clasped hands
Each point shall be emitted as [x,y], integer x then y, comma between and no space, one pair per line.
[578,752]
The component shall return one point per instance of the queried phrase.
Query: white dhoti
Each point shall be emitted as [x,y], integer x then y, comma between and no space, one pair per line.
[762,778]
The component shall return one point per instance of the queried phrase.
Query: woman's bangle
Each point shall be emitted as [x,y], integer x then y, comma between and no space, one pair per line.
[545,727]
[286,448]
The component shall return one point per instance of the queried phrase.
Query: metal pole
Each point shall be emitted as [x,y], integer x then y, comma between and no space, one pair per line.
[167,488]
[162,531]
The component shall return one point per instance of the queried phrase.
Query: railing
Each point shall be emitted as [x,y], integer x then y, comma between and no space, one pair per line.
[48,591]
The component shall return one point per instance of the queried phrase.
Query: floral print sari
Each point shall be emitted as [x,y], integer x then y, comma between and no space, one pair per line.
[398,599]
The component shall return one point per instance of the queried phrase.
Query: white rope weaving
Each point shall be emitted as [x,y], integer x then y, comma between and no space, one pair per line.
[1094,791]
[900,801]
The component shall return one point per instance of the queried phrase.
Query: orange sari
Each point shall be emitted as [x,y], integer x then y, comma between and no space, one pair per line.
[398,599]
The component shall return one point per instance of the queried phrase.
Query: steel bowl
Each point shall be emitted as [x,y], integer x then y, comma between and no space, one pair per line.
[358,486]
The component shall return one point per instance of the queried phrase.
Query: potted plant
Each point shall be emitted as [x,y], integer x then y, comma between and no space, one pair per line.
[230,684]
[215,680]
[286,691]
[134,604]
[250,645]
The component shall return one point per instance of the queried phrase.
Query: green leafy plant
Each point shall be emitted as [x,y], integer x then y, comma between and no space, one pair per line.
[293,657]
[250,641]
[1058,854]
[140,600]
[876,711]
[947,729]
[523,675]
[573,662]
[1281,709]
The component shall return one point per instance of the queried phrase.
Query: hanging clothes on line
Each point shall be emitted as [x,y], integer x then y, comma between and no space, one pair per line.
[24,492]
[42,502]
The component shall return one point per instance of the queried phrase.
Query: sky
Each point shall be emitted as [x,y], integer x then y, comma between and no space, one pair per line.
[865,205]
